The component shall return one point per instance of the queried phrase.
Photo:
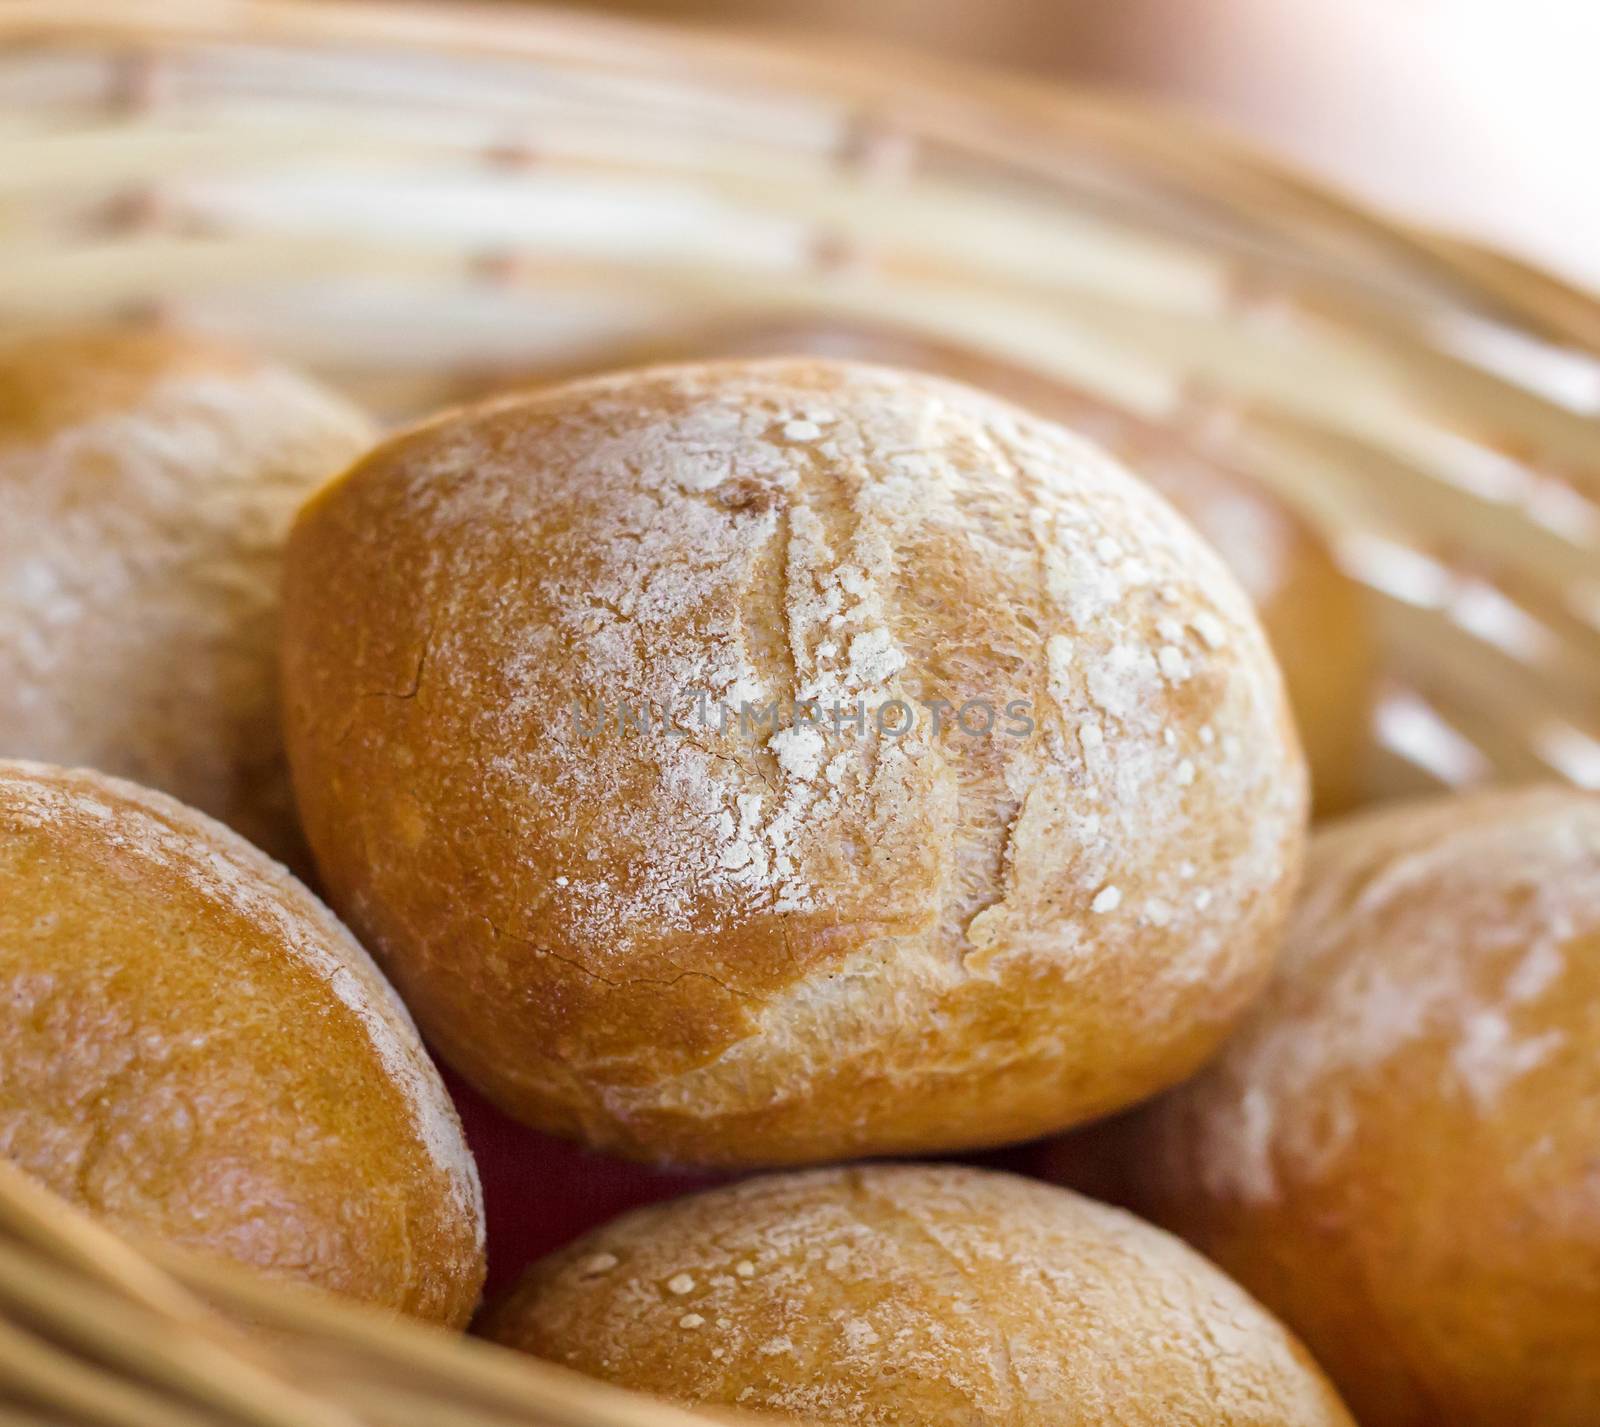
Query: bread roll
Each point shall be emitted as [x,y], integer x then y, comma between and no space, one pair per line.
[1315,615]
[743,941]
[1400,1153]
[147,483]
[914,1296]
[193,1048]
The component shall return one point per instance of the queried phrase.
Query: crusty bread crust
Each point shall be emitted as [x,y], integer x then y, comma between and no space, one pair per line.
[707,946]
[148,481]
[193,1048]
[914,1296]
[1398,1152]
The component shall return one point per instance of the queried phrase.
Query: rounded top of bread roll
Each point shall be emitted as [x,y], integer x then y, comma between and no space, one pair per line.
[1314,614]
[1037,880]
[195,1049]
[1397,1151]
[919,1296]
[148,480]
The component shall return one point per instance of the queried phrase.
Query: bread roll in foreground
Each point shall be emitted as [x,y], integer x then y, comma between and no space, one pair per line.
[918,1297]
[192,1048]
[1043,884]
[1400,1152]
[147,483]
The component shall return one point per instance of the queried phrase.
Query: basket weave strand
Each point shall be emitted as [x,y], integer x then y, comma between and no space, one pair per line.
[100,1333]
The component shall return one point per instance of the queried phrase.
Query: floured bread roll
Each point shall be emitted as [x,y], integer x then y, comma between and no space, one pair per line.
[1400,1152]
[914,1296]
[147,482]
[194,1049]
[1039,877]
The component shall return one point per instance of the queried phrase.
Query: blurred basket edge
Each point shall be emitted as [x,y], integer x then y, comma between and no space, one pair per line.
[416,201]
[94,1331]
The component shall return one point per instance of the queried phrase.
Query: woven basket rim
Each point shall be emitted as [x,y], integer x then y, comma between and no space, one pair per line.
[1163,137]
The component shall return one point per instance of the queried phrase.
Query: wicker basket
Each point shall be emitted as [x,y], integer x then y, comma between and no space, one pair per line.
[418,201]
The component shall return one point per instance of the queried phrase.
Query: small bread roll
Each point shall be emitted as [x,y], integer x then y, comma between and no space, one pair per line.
[147,483]
[1042,885]
[1314,613]
[192,1048]
[914,1296]
[1400,1152]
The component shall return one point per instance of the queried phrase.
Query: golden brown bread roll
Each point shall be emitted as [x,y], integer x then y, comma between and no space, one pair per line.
[192,1048]
[147,483]
[1314,613]
[1400,1152]
[914,1296]
[733,944]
